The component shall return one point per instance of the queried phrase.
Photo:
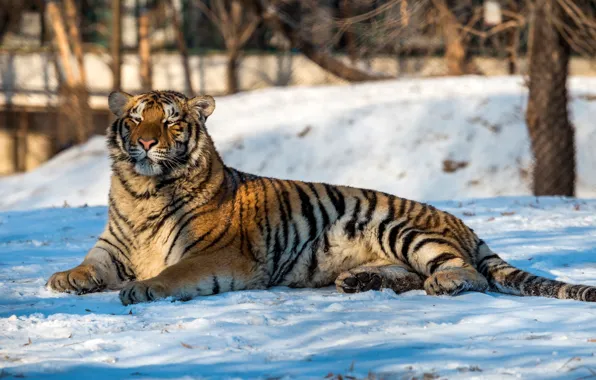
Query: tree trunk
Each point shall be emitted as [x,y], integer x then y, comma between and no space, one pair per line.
[457,57]
[232,71]
[551,133]
[116,44]
[61,40]
[326,61]
[182,48]
[75,37]
[145,50]
[349,38]
[75,113]
[512,49]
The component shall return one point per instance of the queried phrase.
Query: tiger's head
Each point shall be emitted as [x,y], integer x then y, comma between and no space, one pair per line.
[159,131]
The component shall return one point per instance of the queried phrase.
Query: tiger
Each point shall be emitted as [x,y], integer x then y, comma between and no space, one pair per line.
[182,224]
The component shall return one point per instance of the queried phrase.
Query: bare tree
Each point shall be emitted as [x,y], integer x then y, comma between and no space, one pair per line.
[182,48]
[279,16]
[145,48]
[116,44]
[551,133]
[76,118]
[456,36]
[236,21]
[72,21]
[346,11]
[559,26]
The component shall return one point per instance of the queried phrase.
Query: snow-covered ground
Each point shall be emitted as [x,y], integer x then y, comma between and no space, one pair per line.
[392,136]
[303,333]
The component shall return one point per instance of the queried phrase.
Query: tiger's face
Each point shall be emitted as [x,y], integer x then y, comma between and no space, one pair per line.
[157,131]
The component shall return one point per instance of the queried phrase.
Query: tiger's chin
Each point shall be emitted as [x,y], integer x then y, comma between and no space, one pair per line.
[149,168]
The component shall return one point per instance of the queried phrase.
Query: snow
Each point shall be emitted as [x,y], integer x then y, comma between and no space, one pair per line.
[391,136]
[303,333]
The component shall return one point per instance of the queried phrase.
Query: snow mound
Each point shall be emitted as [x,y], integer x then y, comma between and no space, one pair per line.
[426,139]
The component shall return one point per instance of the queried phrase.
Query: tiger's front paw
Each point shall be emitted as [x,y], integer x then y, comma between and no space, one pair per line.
[80,280]
[142,291]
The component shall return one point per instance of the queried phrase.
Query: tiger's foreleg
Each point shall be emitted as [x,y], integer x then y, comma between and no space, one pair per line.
[105,267]
[379,275]
[200,275]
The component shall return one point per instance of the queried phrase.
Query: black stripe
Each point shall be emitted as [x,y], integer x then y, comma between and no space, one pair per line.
[225,229]
[351,225]
[232,284]
[126,185]
[322,209]
[193,217]
[452,231]
[408,239]
[277,248]
[485,258]
[420,214]
[465,235]
[115,247]
[314,263]
[393,236]
[118,265]
[383,225]
[435,263]
[294,253]
[326,243]
[118,239]
[266,211]
[167,182]
[435,217]
[194,243]
[288,206]
[372,204]
[307,211]
[120,230]
[402,206]
[219,236]
[337,199]
[511,279]
[289,267]
[215,288]
[197,147]
[182,202]
[112,205]
[282,211]
[431,240]
[411,206]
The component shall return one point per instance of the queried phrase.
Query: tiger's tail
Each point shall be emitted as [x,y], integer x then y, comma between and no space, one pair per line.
[505,278]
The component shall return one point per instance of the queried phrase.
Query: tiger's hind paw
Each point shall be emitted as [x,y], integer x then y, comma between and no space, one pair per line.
[361,280]
[454,282]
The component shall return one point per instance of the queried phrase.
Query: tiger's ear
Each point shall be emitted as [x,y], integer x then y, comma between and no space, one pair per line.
[204,104]
[117,102]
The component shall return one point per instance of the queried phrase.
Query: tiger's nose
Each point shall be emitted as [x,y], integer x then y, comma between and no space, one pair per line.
[147,144]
